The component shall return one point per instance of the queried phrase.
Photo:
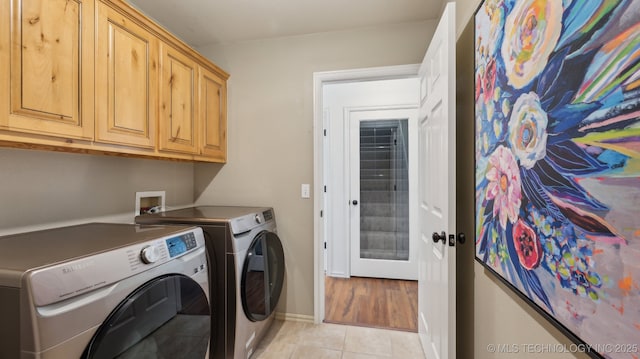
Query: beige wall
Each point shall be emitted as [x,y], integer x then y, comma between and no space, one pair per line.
[39,188]
[271,128]
[488,311]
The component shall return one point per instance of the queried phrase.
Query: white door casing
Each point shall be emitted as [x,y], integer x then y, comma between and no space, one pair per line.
[378,268]
[437,197]
[321,170]
[320,167]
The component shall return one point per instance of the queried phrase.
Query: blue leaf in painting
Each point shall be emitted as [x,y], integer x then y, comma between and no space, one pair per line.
[515,264]
[536,193]
[613,65]
[528,278]
[614,159]
[582,18]
[565,188]
[537,289]
[569,158]
[614,116]
[558,83]
[566,120]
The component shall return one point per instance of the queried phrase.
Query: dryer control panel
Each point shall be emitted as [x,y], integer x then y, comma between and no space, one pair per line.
[248,222]
[68,279]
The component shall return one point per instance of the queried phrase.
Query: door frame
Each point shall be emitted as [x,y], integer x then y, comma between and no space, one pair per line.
[319,80]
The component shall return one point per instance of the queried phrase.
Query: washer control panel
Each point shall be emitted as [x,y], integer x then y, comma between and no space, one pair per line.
[68,279]
[181,244]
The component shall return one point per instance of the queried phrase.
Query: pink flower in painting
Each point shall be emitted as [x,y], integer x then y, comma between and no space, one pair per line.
[531,32]
[504,185]
[478,86]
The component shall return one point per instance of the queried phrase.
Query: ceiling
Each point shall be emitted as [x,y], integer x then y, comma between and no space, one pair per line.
[205,22]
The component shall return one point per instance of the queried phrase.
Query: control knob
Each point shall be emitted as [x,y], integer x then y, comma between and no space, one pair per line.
[258,219]
[149,254]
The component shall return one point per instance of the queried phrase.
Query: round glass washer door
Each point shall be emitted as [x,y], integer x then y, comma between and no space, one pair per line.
[262,276]
[168,317]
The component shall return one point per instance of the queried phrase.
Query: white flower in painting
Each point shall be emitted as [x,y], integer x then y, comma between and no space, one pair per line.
[531,32]
[528,130]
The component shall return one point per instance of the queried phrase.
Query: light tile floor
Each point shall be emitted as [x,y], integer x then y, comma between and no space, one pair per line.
[293,340]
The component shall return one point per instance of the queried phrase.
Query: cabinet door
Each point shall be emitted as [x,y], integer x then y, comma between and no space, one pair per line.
[126,81]
[212,107]
[50,69]
[178,84]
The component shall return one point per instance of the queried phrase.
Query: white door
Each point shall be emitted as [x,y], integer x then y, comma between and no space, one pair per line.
[437,135]
[382,201]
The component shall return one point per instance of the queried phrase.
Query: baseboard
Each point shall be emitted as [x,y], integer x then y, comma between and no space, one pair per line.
[294,317]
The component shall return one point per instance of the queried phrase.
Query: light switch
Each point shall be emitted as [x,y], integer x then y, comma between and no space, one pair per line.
[305,191]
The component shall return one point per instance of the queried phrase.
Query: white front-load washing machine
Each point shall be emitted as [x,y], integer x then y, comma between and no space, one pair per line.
[105,291]
[247,271]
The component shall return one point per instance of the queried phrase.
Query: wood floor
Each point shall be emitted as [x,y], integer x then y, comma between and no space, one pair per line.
[372,302]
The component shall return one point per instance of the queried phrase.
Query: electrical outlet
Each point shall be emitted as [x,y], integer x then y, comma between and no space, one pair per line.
[150,202]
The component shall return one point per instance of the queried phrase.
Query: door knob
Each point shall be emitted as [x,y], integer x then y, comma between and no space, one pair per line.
[461,238]
[355,202]
[439,237]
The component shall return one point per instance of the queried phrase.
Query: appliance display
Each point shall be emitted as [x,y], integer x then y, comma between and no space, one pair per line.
[247,271]
[105,291]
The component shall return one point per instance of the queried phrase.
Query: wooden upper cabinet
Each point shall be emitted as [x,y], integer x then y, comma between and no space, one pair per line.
[97,76]
[178,85]
[212,111]
[126,81]
[50,69]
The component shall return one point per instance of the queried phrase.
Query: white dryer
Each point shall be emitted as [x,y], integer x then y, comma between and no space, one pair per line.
[104,291]
[247,268]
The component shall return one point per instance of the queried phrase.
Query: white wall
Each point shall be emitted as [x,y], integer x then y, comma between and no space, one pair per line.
[270,128]
[41,189]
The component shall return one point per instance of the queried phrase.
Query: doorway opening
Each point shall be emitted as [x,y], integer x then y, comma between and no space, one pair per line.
[363,166]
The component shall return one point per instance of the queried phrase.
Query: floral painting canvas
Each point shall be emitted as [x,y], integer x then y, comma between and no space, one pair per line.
[557,121]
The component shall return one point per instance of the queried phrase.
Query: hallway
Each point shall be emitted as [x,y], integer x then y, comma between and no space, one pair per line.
[372,302]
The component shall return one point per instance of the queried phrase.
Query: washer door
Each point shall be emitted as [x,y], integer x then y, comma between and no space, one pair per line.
[262,276]
[168,317]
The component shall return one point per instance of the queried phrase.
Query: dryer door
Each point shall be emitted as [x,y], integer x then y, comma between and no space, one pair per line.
[168,317]
[262,276]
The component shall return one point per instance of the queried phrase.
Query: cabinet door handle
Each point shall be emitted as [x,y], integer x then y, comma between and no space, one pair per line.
[176,136]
